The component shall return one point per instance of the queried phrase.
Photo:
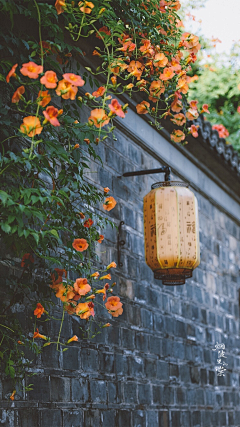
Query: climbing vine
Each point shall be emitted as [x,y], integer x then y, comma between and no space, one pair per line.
[52,217]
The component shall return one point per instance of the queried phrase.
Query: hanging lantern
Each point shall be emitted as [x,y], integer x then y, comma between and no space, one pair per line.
[171,231]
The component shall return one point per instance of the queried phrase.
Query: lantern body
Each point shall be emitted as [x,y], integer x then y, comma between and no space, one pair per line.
[171,230]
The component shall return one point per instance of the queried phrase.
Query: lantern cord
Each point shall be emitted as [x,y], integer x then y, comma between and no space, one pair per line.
[164,169]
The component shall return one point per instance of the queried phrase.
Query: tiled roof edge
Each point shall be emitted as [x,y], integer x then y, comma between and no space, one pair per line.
[211,137]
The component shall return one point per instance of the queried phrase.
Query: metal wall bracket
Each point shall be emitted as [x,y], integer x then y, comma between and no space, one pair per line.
[165,169]
[120,243]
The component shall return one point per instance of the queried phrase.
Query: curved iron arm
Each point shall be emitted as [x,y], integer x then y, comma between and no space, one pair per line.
[164,169]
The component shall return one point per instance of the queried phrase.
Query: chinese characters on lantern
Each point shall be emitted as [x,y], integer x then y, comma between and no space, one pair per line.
[220,368]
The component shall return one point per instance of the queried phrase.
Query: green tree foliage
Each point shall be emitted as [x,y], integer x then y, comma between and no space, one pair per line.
[219,88]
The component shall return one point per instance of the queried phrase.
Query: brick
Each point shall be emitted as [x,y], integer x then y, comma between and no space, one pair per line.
[200,397]
[121,364]
[173,371]
[137,243]
[212,376]
[157,392]
[141,341]
[112,159]
[165,303]
[222,418]
[50,357]
[113,335]
[51,417]
[71,359]
[186,419]
[41,388]
[54,327]
[180,396]
[158,322]
[92,418]
[237,417]
[114,392]
[60,389]
[139,418]
[191,397]
[167,347]
[147,319]
[106,363]
[89,359]
[194,373]
[169,322]
[144,394]
[136,367]
[231,418]
[134,154]
[152,418]
[154,345]
[175,418]
[163,419]
[140,293]
[196,419]
[154,298]
[168,395]
[178,350]
[130,392]
[186,310]
[180,330]
[146,273]
[98,391]
[206,418]
[203,376]
[80,387]
[128,216]
[126,288]
[73,418]
[162,370]
[150,368]
[207,356]
[124,418]
[133,314]
[27,418]
[128,337]
[174,305]
[108,418]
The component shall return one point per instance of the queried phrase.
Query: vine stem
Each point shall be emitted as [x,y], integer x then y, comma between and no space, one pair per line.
[41,48]
[6,328]
[80,29]
[60,329]
[108,75]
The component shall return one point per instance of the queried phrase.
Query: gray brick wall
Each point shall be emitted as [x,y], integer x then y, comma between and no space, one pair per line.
[155,366]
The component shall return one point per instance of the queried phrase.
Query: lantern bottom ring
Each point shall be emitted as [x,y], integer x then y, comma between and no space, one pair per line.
[172,277]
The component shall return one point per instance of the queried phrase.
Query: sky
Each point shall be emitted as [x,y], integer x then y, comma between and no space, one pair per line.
[220,19]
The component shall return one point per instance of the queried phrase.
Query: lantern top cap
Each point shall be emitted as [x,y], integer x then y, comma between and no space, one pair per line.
[169,184]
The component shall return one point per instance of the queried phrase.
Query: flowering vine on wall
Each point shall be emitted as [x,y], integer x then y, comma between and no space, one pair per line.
[52,217]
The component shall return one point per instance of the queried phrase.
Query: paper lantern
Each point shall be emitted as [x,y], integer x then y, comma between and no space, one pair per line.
[171,231]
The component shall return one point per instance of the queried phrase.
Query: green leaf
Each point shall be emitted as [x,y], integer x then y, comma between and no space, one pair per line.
[6,228]
[3,196]
[36,237]
[34,199]
[14,228]
[54,233]
[21,208]
[11,218]
[26,233]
